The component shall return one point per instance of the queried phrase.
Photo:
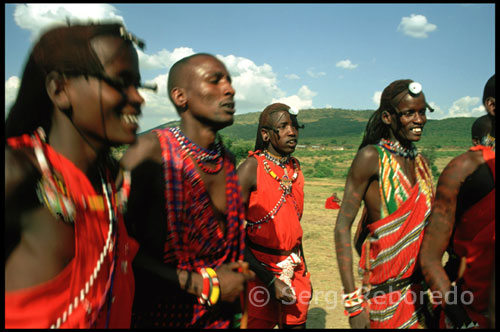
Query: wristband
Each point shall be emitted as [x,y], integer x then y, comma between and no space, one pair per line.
[215,290]
[207,286]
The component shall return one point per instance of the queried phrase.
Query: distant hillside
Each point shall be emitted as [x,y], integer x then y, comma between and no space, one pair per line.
[338,126]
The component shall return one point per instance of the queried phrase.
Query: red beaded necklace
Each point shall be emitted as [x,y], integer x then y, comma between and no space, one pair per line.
[201,155]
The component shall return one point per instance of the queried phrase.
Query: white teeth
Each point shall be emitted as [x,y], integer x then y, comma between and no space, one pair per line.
[130,118]
[417,130]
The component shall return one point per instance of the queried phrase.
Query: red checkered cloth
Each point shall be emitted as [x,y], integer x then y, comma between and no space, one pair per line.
[194,237]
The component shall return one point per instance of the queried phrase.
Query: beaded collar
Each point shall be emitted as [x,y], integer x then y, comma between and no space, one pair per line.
[489,141]
[285,182]
[277,161]
[396,148]
[201,155]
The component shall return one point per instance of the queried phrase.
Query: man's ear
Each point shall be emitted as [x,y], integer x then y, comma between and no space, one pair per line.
[489,104]
[55,84]
[265,135]
[386,117]
[179,97]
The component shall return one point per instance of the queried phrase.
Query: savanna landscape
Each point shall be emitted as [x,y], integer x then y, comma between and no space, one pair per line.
[327,145]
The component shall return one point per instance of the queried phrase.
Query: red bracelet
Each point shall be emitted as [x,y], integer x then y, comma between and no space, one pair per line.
[207,286]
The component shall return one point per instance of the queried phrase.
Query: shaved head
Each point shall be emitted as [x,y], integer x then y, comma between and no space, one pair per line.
[180,74]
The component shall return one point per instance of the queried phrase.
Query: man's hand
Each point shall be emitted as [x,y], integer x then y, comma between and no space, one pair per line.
[283,292]
[361,321]
[231,281]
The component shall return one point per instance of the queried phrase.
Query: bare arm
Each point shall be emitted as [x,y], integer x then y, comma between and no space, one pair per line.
[442,221]
[364,167]
[144,160]
[247,175]
[363,170]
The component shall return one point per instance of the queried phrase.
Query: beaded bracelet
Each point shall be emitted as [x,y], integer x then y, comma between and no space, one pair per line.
[353,299]
[215,290]
[354,312]
[207,286]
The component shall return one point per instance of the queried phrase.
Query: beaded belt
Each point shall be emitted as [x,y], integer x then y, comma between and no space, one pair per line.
[271,251]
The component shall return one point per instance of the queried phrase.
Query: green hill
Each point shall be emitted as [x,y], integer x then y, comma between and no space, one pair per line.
[329,126]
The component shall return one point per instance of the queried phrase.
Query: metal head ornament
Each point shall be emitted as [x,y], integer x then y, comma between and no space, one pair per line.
[414,89]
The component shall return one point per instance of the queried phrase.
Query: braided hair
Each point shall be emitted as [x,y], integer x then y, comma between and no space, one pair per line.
[376,128]
[265,119]
[66,50]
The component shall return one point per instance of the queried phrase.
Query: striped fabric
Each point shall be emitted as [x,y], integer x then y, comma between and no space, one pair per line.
[194,238]
[395,241]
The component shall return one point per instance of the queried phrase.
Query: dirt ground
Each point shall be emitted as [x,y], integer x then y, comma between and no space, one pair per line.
[326,309]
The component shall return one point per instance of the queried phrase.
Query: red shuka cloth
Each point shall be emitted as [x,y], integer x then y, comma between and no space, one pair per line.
[474,239]
[283,232]
[330,203]
[50,303]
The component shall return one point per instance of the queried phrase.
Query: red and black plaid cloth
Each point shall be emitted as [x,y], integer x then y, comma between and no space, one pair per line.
[194,238]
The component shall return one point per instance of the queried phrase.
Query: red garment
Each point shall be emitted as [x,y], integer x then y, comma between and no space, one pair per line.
[394,242]
[63,301]
[331,203]
[475,239]
[194,240]
[282,232]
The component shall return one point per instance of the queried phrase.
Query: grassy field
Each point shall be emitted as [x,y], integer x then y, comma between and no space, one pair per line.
[326,309]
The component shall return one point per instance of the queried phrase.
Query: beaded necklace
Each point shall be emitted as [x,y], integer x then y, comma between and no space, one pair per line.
[285,182]
[396,148]
[53,193]
[489,141]
[201,155]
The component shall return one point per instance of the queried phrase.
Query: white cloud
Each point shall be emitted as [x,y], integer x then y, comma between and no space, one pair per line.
[346,64]
[302,100]
[314,74]
[416,26]
[293,77]
[11,87]
[377,97]
[466,107]
[38,17]
[163,59]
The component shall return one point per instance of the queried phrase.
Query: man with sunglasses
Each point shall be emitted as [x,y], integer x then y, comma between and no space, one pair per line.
[395,182]
[463,217]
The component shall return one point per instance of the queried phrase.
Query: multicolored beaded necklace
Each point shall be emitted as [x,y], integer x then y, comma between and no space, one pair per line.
[396,148]
[201,155]
[53,193]
[285,183]
[489,141]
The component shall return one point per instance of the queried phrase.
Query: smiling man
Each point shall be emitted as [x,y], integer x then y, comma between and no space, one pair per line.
[185,208]
[395,183]
[273,192]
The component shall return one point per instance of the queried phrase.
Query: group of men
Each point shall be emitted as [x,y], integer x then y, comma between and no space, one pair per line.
[173,235]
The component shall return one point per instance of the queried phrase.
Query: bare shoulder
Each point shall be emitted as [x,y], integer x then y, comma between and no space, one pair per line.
[366,162]
[248,167]
[463,165]
[19,168]
[146,147]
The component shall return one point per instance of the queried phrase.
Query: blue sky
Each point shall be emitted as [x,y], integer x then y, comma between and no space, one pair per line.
[305,55]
